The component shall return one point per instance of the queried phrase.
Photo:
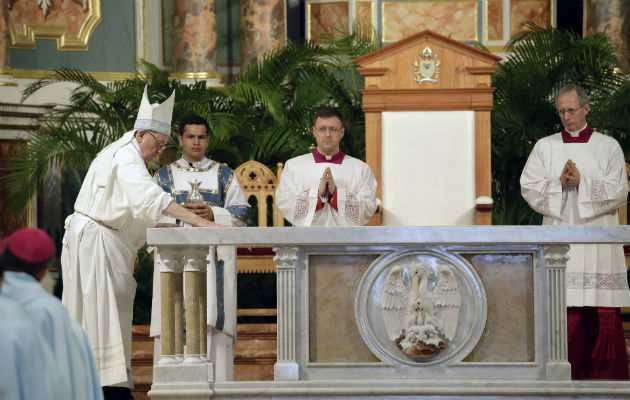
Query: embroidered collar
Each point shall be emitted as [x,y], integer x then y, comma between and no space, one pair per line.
[582,136]
[335,158]
[199,164]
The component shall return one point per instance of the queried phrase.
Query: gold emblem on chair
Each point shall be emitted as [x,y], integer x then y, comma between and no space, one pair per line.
[427,67]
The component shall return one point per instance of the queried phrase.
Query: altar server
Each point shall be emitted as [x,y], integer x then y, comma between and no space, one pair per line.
[578,177]
[222,200]
[117,202]
[327,187]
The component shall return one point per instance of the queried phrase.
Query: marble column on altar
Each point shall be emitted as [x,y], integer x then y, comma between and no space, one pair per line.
[194,36]
[612,16]
[263,28]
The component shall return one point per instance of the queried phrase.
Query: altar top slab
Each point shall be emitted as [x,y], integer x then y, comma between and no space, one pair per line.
[390,235]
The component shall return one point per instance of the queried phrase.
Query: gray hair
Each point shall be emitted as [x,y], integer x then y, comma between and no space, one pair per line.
[581,93]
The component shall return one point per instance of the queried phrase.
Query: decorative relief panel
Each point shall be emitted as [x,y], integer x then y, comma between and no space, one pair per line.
[71,23]
[421,308]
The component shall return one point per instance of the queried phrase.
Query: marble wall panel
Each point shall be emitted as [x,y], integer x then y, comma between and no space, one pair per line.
[494,20]
[509,334]
[327,20]
[522,11]
[333,332]
[365,13]
[612,16]
[456,19]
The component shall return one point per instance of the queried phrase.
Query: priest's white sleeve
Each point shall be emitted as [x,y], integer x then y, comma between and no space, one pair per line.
[296,204]
[540,187]
[358,204]
[607,189]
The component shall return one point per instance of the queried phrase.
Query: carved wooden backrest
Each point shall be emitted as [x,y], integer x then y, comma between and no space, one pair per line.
[259,181]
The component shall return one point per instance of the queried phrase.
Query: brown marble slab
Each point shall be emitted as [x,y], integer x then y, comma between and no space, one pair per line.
[333,332]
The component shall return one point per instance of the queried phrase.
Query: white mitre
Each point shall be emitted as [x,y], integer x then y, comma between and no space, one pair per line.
[155,117]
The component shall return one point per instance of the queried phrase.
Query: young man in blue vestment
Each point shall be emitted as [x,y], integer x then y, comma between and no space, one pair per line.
[222,201]
[25,260]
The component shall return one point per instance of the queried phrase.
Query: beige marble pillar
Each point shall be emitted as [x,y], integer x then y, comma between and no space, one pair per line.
[203,314]
[178,310]
[5,37]
[612,16]
[263,28]
[169,262]
[192,314]
[194,36]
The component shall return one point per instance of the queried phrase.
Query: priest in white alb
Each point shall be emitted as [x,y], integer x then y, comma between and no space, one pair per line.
[117,202]
[327,187]
[578,177]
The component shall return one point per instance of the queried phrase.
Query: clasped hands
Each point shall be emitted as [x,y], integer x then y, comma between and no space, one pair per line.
[570,173]
[327,185]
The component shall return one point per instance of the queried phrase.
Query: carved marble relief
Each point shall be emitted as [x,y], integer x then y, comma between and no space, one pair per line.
[71,22]
[421,308]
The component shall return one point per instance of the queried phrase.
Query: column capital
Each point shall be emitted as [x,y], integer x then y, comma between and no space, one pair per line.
[556,255]
[285,257]
[169,259]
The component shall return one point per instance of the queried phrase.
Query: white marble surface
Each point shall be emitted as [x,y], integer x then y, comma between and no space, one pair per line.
[389,235]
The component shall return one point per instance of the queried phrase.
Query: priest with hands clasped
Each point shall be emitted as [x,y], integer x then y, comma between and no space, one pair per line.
[117,202]
[578,177]
[327,187]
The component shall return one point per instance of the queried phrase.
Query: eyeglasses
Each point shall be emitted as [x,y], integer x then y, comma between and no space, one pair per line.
[323,129]
[161,146]
[570,111]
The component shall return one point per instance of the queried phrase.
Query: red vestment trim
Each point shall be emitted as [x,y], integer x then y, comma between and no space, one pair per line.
[583,137]
[336,158]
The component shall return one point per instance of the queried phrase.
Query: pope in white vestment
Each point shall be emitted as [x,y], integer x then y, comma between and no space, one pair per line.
[327,187]
[222,193]
[577,177]
[117,202]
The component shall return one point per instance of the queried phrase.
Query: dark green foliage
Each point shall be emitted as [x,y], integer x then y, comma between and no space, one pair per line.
[143,275]
[540,62]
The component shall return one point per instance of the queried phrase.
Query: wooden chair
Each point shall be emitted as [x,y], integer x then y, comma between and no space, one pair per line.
[259,182]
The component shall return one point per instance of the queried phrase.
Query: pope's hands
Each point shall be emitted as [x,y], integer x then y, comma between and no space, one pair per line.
[202,210]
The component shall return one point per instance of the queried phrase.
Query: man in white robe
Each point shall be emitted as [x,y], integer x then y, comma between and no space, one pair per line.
[223,202]
[577,177]
[24,261]
[117,202]
[327,187]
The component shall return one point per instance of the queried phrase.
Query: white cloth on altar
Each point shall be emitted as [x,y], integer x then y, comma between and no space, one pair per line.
[66,340]
[297,193]
[117,202]
[595,274]
[220,342]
